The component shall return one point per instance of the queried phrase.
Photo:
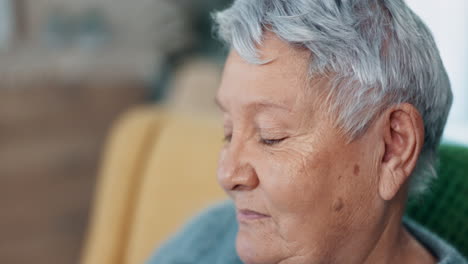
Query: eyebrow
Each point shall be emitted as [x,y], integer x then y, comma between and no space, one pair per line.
[256,105]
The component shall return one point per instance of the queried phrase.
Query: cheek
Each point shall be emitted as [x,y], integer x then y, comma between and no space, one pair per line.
[295,181]
[309,186]
[360,186]
[301,191]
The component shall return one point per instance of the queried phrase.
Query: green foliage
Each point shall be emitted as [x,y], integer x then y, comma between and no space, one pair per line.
[444,208]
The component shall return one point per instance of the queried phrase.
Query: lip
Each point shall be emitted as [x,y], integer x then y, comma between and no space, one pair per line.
[245,215]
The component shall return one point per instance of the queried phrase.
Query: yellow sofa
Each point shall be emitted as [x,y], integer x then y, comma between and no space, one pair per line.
[139,200]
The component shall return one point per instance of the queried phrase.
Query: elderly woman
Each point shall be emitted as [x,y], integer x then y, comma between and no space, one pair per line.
[333,111]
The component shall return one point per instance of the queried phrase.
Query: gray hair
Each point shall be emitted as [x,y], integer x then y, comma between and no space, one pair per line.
[379,53]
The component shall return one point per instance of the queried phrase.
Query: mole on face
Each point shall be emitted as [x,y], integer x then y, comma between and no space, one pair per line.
[338,205]
[356,169]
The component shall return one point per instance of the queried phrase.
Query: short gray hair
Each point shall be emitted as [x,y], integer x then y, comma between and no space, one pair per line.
[379,53]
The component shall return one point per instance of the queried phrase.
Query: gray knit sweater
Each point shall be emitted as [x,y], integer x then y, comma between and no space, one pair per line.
[210,239]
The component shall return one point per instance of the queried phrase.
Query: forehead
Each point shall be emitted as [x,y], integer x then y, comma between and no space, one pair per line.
[282,80]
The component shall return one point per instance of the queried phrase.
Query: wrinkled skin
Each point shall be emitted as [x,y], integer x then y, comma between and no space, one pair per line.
[320,199]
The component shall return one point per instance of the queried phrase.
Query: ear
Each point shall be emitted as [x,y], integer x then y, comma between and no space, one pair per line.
[403,136]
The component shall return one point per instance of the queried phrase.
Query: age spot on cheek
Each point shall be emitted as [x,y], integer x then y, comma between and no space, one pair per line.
[356,169]
[338,205]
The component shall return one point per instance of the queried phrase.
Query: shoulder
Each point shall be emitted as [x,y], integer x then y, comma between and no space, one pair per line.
[439,247]
[207,238]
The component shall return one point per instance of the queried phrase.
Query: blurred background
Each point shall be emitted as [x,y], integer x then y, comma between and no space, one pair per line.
[69,68]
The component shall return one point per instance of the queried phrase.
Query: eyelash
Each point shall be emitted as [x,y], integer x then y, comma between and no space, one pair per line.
[227,138]
[271,142]
[268,142]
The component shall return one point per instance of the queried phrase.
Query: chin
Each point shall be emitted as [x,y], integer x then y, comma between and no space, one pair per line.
[253,249]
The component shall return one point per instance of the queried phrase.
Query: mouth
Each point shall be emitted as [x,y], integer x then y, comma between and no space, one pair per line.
[245,215]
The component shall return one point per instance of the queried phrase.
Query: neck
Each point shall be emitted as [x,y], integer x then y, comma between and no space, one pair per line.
[396,244]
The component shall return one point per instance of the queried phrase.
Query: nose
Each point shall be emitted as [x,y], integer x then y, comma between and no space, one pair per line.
[235,170]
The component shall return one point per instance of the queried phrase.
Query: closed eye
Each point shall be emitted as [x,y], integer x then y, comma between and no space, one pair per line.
[271,142]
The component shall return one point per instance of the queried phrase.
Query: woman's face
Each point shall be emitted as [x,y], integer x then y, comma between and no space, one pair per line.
[300,190]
